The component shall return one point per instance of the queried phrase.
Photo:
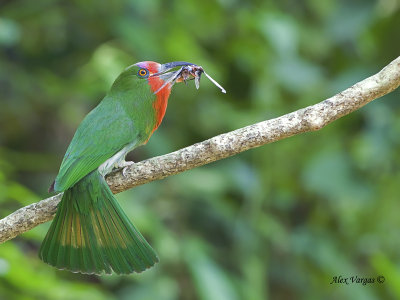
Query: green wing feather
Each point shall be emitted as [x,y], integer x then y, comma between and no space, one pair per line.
[103,132]
[126,116]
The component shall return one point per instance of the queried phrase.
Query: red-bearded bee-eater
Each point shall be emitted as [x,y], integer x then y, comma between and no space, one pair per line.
[90,233]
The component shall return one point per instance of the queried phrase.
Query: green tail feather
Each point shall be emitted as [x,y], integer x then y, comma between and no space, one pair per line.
[91,234]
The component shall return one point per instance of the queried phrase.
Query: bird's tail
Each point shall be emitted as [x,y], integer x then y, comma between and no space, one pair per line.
[91,234]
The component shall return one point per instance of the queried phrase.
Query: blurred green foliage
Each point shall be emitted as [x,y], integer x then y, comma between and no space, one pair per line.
[277,222]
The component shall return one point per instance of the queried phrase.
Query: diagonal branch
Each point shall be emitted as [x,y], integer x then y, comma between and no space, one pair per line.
[311,118]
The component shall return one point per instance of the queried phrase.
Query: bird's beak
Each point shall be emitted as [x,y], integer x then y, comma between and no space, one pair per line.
[168,66]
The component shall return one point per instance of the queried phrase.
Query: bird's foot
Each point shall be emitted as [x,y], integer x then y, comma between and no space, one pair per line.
[125,164]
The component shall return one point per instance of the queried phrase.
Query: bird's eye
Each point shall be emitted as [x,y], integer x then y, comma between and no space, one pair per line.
[143,73]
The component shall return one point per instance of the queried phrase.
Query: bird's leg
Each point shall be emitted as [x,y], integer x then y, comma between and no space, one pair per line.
[116,161]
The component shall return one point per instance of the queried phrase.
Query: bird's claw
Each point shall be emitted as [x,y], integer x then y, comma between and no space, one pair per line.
[124,165]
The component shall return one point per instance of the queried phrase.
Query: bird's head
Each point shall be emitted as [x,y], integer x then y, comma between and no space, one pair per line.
[160,77]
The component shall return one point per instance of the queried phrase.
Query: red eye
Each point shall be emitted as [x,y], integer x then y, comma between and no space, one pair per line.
[143,72]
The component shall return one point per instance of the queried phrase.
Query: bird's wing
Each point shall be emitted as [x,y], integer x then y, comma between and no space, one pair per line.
[102,133]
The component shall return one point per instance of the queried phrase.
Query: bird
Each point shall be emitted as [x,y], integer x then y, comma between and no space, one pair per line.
[90,233]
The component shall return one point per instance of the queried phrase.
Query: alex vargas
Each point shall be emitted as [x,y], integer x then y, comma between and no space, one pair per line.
[352,279]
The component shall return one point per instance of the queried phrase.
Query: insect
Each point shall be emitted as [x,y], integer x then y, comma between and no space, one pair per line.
[185,73]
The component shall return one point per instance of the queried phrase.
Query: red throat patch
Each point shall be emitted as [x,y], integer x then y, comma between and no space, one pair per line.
[161,102]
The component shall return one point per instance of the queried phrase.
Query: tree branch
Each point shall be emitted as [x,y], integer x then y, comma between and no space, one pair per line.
[311,118]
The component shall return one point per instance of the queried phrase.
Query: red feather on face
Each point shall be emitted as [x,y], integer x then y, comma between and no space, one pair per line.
[161,102]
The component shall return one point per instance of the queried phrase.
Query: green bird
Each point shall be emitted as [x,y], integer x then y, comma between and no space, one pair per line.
[90,233]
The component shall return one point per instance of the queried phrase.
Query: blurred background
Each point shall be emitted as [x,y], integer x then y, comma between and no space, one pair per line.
[277,222]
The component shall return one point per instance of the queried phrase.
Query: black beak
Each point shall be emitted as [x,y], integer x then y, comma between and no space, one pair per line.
[168,66]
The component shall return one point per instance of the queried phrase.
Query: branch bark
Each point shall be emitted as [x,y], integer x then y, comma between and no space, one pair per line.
[308,119]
